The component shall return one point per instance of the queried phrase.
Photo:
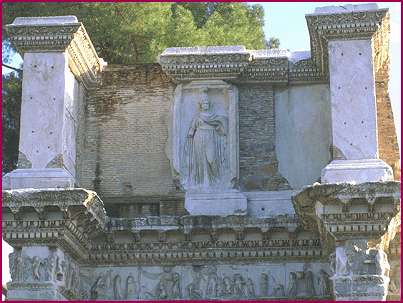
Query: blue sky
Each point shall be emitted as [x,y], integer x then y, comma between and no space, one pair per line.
[286,21]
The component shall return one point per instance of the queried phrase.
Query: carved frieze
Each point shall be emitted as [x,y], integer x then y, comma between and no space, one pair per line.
[206,281]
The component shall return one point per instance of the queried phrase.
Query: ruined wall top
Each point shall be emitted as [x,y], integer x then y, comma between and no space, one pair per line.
[278,65]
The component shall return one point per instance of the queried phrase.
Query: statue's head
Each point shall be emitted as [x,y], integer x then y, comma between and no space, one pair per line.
[204,102]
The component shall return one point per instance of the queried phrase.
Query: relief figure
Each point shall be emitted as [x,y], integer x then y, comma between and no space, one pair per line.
[194,289]
[205,148]
[16,265]
[36,264]
[212,290]
[250,288]
[168,286]
[276,288]
[292,286]
[117,288]
[131,288]
[324,284]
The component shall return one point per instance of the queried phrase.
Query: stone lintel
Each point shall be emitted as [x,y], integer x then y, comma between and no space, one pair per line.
[58,34]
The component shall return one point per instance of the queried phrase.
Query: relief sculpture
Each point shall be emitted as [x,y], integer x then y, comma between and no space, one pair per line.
[207,284]
[132,288]
[168,286]
[16,266]
[324,284]
[205,148]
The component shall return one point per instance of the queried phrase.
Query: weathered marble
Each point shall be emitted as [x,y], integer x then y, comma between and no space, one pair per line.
[302,120]
[55,72]
[356,171]
[223,203]
[38,178]
[207,281]
[269,204]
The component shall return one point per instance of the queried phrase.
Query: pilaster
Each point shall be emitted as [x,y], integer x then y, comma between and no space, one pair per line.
[60,63]
[346,38]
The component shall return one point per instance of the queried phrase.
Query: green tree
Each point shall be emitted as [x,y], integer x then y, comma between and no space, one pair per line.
[11,105]
[272,43]
[128,33]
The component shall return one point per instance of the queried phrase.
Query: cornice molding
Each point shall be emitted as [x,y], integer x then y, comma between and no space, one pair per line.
[53,34]
[276,66]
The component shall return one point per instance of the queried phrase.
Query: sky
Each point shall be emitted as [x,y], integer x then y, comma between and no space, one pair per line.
[286,21]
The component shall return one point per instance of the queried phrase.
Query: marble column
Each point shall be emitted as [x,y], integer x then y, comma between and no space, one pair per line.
[60,63]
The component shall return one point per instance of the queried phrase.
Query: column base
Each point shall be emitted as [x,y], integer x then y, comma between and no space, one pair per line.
[360,288]
[356,171]
[216,203]
[38,178]
[33,291]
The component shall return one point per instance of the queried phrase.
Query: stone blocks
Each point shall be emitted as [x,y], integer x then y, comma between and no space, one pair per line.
[357,171]
[38,178]
[223,203]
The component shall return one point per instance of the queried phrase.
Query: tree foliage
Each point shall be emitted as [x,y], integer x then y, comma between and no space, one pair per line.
[137,32]
[11,104]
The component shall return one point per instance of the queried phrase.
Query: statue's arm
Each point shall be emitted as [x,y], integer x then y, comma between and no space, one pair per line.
[192,128]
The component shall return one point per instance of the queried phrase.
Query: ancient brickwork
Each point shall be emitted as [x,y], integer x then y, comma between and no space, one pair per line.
[388,147]
[126,133]
[387,139]
[257,158]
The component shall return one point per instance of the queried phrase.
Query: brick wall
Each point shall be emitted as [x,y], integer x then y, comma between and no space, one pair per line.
[257,159]
[126,122]
[387,140]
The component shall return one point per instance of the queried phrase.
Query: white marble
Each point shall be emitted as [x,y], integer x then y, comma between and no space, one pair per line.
[263,204]
[203,162]
[356,171]
[354,117]
[270,53]
[202,281]
[53,20]
[353,101]
[296,56]
[222,203]
[38,178]
[347,8]
[303,132]
[203,50]
[42,107]
[48,125]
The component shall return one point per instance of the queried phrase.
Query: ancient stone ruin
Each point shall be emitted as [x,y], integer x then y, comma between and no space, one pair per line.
[218,173]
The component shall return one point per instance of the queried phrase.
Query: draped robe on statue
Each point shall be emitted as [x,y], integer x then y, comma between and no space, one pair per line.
[204,152]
